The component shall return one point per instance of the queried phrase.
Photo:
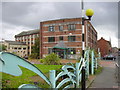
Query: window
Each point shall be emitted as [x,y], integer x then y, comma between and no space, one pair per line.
[24,48]
[71,38]
[49,50]
[15,48]
[19,48]
[51,28]
[72,51]
[71,27]
[61,38]
[61,28]
[51,39]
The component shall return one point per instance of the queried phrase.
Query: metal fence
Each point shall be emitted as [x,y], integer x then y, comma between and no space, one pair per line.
[70,75]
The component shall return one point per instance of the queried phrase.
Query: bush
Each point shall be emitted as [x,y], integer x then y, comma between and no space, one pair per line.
[52,59]
[41,60]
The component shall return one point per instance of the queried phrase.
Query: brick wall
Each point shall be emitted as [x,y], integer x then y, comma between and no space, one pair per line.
[105,47]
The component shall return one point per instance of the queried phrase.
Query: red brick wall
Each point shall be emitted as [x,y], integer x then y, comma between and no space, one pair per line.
[44,34]
[104,46]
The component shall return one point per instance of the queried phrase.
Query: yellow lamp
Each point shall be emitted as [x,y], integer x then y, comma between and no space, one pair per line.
[89,13]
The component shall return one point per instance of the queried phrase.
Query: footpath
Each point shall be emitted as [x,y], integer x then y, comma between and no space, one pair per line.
[106,79]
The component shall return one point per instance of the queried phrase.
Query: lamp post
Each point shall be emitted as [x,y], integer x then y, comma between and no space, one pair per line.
[89,13]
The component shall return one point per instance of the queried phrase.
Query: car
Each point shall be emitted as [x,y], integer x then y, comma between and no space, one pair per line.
[118,53]
[109,57]
[25,57]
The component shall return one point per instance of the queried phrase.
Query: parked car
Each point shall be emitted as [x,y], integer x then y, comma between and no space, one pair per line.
[109,57]
[118,53]
[26,57]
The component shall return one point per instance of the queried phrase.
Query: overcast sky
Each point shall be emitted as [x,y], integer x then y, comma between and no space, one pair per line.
[23,16]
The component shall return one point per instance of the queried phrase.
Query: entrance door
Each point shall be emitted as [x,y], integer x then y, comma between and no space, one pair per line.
[61,54]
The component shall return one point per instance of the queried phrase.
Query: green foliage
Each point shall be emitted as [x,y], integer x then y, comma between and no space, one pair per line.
[2,47]
[52,59]
[41,60]
[35,49]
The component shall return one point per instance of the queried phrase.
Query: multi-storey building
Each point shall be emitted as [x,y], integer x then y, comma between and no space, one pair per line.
[105,46]
[28,37]
[64,37]
[18,48]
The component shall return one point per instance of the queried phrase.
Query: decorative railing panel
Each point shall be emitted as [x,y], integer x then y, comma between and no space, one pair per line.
[10,64]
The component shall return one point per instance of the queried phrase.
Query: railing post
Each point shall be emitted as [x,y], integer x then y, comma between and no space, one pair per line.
[88,63]
[52,78]
[96,63]
[92,63]
[77,75]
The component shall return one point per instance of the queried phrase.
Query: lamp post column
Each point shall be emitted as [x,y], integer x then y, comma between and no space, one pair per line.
[83,48]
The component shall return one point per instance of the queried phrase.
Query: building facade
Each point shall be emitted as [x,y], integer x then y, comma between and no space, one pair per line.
[104,46]
[18,48]
[64,37]
[114,49]
[28,37]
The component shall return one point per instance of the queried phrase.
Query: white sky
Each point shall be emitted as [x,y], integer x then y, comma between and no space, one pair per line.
[23,16]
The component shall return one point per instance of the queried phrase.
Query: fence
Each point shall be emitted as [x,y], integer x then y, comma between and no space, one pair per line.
[70,74]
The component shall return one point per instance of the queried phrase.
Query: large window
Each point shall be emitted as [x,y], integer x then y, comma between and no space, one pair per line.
[71,38]
[71,27]
[61,28]
[61,38]
[51,39]
[51,28]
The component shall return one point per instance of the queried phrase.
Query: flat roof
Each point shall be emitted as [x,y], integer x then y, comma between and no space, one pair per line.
[28,32]
[15,42]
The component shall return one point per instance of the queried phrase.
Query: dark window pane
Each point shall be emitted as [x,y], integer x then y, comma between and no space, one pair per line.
[15,48]
[51,39]
[71,27]
[24,48]
[51,28]
[61,38]
[71,38]
[60,28]
[19,48]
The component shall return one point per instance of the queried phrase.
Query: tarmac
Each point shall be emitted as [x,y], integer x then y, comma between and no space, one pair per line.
[107,78]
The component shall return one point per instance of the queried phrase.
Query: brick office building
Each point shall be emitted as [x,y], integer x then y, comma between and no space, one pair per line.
[64,37]
[28,37]
[105,46]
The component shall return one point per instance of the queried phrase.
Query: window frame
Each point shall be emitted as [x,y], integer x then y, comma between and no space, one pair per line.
[51,28]
[61,27]
[51,38]
[60,38]
[71,27]
[71,38]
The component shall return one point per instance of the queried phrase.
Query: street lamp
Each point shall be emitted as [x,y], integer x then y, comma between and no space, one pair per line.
[89,13]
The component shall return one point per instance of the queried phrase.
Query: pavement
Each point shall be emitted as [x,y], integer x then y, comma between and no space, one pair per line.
[107,78]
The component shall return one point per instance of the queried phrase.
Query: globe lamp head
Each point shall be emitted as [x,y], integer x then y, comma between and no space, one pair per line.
[89,13]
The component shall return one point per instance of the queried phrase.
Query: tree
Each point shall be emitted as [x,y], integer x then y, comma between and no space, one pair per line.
[2,47]
[36,49]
